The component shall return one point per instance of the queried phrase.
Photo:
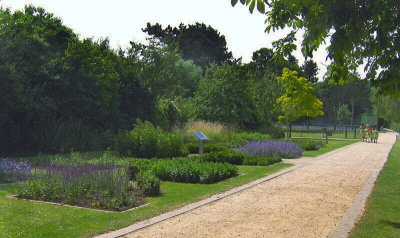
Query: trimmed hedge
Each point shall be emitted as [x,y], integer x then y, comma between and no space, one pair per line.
[225,156]
[193,148]
[260,161]
[187,170]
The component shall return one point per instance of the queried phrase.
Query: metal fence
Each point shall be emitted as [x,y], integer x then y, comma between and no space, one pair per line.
[340,131]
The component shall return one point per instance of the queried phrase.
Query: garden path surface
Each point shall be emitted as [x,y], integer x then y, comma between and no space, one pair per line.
[307,202]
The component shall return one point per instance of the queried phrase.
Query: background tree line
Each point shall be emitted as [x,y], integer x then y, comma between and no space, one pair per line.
[59,92]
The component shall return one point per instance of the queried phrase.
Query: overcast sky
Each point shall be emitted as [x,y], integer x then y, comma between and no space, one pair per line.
[122,20]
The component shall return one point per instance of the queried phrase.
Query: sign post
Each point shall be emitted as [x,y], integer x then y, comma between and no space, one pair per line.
[201,138]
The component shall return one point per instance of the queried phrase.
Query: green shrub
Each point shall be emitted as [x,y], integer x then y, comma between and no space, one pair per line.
[260,161]
[191,171]
[308,144]
[148,183]
[276,132]
[193,148]
[147,141]
[238,139]
[225,156]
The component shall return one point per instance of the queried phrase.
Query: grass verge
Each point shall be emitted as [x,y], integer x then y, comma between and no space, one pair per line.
[332,145]
[382,215]
[20,218]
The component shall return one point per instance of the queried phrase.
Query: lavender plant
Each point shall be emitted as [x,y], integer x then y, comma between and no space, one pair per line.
[269,148]
[11,171]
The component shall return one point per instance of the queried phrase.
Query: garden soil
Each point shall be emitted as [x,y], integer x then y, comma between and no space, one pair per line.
[308,202]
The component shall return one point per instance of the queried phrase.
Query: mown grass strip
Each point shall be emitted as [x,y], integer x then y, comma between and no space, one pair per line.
[382,214]
[27,219]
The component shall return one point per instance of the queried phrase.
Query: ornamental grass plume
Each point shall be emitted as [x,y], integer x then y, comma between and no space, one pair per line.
[269,148]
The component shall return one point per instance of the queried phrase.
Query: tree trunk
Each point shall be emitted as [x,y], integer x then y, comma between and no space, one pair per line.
[290,131]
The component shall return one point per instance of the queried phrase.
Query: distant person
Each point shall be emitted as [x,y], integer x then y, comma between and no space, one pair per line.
[375,134]
[368,132]
[362,132]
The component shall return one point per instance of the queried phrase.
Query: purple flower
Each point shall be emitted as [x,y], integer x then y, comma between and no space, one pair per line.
[14,171]
[271,148]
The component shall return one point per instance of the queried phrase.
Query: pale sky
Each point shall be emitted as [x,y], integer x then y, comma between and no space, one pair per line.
[122,20]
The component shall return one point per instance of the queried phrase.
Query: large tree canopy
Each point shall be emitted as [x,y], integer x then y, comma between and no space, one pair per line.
[360,33]
[200,43]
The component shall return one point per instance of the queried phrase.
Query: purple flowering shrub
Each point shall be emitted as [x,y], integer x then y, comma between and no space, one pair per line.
[11,171]
[88,185]
[269,148]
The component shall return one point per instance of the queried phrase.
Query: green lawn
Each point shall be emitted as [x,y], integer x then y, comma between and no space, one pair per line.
[382,215]
[27,219]
[332,145]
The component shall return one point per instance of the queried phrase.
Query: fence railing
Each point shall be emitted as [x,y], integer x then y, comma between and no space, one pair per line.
[338,131]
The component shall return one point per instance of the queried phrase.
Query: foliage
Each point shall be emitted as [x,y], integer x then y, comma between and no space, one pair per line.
[343,113]
[308,144]
[359,32]
[148,183]
[224,156]
[95,186]
[298,99]
[310,69]
[275,132]
[215,131]
[355,94]
[190,171]
[208,147]
[238,139]
[225,96]
[11,171]
[200,43]
[280,149]
[147,141]
[260,161]
[386,107]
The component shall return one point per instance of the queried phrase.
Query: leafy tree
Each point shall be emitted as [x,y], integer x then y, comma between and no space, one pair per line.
[359,32]
[386,107]
[298,99]
[343,114]
[200,43]
[225,95]
[310,70]
[355,94]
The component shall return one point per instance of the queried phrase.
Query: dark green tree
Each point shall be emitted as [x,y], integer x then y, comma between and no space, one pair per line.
[198,42]
[310,70]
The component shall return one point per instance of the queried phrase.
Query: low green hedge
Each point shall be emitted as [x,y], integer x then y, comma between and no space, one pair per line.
[225,156]
[260,161]
[187,170]
[193,148]
[148,183]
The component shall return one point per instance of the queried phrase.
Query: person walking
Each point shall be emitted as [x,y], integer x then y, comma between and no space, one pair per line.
[375,134]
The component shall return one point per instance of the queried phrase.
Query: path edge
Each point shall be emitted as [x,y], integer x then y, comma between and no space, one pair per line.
[162,217]
[355,211]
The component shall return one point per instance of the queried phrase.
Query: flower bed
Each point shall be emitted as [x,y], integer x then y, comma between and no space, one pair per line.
[89,185]
[11,171]
[280,149]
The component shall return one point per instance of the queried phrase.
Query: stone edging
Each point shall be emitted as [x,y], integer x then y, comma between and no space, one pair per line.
[344,227]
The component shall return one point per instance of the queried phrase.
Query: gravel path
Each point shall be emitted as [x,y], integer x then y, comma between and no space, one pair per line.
[308,202]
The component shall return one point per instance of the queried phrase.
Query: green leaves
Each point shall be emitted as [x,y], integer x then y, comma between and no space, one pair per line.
[252,4]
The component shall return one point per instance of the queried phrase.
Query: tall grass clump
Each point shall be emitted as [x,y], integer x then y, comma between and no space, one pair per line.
[147,141]
[88,185]
[280,149]
[216,132]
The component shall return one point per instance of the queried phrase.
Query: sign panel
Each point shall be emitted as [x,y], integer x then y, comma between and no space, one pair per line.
[200,135]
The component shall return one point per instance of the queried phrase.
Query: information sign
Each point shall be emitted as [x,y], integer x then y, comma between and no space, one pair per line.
[200,135]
